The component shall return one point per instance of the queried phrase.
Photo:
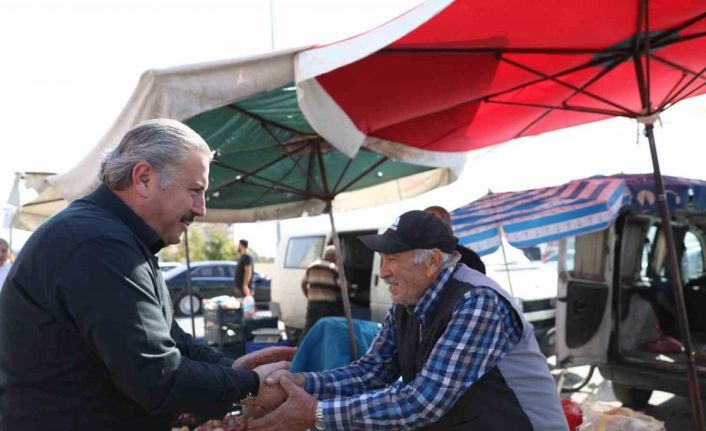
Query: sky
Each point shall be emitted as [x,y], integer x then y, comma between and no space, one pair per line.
[69,67]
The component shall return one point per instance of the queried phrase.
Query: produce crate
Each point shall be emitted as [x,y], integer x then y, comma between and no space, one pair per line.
[254,323]
[225,333]
[220,314]
[223,325]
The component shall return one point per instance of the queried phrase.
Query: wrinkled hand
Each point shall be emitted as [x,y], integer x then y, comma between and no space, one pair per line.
[264,356]
[273,378]
[296,414]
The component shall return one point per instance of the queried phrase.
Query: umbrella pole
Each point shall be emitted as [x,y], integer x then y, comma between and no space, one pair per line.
[344,283]
[694,388]
[188,282]
[507,268]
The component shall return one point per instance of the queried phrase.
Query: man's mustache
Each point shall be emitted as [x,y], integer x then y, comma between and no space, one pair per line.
[188,218]
[390,280]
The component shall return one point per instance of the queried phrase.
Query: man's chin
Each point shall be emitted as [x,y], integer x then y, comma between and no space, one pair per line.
[172,239]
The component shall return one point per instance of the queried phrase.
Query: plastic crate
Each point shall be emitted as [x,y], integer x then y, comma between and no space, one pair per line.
[253,323]
[223,324]
[223,315]
[225,333]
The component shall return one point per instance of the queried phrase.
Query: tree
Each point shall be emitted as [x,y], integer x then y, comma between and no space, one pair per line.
[220,247]
[206,242]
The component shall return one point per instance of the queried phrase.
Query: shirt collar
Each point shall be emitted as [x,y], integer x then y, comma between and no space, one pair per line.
[427,303]
[106,199]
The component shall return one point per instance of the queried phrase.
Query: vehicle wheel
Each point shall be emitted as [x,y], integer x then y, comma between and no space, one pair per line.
[547,345]
[631,396]
[183,306]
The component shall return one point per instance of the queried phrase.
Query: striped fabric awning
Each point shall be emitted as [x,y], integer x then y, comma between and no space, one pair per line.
[536,216]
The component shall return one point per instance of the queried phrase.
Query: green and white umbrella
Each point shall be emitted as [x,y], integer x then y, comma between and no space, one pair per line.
[270,164]
[268,161]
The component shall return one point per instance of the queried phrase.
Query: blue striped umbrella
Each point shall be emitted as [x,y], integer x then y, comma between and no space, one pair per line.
[536,216]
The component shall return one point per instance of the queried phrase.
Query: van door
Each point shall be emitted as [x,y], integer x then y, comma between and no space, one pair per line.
[379,295]
[584,301]
[358,264]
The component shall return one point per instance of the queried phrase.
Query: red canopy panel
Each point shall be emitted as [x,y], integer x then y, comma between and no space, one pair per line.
[484,72]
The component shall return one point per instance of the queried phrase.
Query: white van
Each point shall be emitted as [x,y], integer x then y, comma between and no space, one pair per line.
[618,291]
[533,283]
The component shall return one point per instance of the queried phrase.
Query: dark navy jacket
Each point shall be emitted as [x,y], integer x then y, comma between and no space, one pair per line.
[87,337]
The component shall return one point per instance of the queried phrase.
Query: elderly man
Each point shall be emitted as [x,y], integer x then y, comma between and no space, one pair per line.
[87,337]
[467,358]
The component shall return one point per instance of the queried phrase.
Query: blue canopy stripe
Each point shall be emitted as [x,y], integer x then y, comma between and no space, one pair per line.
[540,215]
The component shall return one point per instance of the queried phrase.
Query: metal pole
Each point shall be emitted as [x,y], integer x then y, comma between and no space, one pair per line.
[344,283]
[694,388]
[507,268]
[188,283]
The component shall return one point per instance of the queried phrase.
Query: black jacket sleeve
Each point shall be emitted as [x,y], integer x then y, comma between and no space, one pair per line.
[111,293]
[196,351]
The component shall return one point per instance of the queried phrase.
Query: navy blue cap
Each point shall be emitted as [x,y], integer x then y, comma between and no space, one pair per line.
[412,230]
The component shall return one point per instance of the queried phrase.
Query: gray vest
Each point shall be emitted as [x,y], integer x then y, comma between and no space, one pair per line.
[517,394]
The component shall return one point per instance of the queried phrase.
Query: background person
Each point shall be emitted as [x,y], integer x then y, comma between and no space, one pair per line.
[5,263]
[468,257]
[467,358]
[87,336]
[321,287]
[244,271]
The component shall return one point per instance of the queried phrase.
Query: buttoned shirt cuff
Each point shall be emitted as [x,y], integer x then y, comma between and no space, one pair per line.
[313,384]
[336,412]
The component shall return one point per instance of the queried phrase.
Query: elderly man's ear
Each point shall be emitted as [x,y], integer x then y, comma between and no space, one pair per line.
[433,262]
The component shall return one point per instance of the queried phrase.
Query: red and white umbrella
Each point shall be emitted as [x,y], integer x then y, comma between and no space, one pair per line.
[451,76]
[455,76]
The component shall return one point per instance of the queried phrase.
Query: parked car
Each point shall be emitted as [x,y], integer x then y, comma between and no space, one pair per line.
[210,279]
[168,266]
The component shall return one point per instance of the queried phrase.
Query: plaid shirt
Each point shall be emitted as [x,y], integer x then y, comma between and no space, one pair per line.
[368,394]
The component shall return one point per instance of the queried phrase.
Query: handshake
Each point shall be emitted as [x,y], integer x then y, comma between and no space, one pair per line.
[281,402]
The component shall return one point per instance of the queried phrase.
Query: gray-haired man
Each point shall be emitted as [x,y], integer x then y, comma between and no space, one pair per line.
[466,357]
[87,338]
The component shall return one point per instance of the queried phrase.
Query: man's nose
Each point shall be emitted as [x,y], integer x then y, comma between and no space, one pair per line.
[198,206]
[385,270]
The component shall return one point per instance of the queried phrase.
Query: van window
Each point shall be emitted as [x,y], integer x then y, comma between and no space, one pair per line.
[646,250]
[589,256]
[303,250]
[692,262]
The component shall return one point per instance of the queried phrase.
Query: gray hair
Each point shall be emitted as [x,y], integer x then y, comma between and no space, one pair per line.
[4,243]
[447,259]
[164,144]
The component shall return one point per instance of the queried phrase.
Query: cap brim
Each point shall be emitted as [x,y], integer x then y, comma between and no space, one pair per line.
[384,244]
